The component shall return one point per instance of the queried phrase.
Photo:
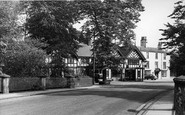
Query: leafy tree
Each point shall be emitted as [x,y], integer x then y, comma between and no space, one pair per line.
[23,59]
[51,22]
[9,11]
[108,20]
[175,38]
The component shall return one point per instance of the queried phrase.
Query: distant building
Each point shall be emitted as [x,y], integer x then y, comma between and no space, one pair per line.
[132,65]
[77,66]
[156,58]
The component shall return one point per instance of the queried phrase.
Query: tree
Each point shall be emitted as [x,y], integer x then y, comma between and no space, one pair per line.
[51,22]
[174,38]
[9,11]
[107,21]
[23,57]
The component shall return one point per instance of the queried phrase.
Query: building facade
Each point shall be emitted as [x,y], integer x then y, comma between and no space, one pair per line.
[156,58]
[133,64]
[78,65]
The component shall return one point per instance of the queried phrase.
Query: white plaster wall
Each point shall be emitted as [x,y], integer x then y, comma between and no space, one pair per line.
[160,61]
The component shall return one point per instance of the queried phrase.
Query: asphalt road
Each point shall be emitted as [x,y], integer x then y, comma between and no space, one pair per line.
[120,98]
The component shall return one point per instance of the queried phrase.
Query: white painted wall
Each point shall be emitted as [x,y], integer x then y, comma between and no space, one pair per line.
[152,59]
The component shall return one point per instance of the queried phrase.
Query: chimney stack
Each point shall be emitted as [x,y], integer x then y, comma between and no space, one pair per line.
[143,41]
[159,45]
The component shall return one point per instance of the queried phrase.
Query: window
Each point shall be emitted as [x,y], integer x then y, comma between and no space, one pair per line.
[156,55]
[156,64]
[147,64]
[70,61]
[85,60]
[164,73]
[147,55]
[164,65]
[133,63]
[164,56]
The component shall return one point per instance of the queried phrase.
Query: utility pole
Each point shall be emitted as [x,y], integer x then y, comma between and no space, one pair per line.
[94,60]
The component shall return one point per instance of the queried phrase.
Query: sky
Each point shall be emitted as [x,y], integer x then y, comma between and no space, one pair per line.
[152,19]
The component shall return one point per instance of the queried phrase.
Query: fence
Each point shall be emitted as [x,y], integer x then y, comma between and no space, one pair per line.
[179,95]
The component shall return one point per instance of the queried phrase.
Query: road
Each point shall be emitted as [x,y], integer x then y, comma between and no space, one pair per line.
[120,98]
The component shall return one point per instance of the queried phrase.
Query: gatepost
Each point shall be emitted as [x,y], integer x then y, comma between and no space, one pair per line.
[179,95]
[5,83]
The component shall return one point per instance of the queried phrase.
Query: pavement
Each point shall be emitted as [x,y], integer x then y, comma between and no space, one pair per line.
[32,93]
[159,105]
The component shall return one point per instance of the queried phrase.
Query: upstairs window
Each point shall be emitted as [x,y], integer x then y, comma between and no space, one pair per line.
[164,56]
[156,55]
[156,64]
[147,65]
[164,65]
[147,55]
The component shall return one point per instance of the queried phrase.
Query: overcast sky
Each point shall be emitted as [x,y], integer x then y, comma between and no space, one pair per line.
[152,19]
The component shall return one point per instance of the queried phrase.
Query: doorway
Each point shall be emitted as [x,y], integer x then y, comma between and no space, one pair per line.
[130,75]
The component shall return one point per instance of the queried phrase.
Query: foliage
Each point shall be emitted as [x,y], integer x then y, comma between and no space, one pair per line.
[51,22]
[23,59]
[175,37]
[107,21]
[9,11]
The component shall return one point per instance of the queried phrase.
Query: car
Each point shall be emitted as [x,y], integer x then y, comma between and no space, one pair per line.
[150,76]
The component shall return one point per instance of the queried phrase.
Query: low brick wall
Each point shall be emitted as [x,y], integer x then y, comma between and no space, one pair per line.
[35,83]
[83,82]
[1,85]
[179,95]
[56,83]
[23,83]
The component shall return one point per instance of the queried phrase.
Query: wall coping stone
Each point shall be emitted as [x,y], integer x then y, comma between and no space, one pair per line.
[42,76]
[4,75]
[179,80]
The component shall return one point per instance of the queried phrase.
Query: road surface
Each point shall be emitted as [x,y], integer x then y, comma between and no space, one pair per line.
[120,98]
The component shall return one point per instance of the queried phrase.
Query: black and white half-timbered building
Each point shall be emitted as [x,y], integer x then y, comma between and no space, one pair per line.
[132,64]
[78,65]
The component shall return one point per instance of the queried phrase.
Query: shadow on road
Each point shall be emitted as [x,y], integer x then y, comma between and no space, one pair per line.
[132,92]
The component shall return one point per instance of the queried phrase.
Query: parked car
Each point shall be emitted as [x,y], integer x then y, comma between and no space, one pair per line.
[150,76]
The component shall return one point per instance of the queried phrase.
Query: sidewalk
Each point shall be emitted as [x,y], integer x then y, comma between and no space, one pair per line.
[161,105]
[31,93]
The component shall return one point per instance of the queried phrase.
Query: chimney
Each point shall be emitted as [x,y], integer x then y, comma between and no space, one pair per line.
[143,41]
[159,45]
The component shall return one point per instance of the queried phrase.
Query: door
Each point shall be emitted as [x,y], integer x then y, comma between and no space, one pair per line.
[130,75]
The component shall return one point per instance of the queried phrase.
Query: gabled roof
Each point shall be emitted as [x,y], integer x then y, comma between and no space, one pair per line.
[127,50]
[84,51]
[123,51]
[151,49]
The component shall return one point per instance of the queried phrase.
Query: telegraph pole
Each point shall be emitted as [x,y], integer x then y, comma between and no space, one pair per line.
[94,60]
